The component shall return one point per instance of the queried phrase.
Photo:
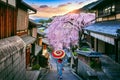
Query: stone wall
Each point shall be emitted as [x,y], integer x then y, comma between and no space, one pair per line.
[12,59]
[86,72]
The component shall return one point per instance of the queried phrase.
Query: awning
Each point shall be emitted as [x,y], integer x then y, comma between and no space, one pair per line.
[107,28]
[106,31]
[28,39]
[33,24]
[37,49]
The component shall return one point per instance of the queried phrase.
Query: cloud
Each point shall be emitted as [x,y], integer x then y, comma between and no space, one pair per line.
[62,5]
[48,11]
[69,3]
[43,6]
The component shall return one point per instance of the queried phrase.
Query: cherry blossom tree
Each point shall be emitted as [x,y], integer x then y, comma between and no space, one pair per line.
[64,30]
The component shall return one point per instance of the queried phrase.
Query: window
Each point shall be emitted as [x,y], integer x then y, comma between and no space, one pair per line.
[113,8]
[108,10]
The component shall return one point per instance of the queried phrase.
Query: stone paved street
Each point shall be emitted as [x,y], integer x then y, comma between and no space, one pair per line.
[110,68]
[52,74]
[67,75]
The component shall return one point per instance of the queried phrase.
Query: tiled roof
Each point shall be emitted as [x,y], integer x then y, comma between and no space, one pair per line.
[107,27]
[28,39]
[33,24]
[97,3]
[89,53]
[23,4]
[91,5]
[10,46]
[102,3]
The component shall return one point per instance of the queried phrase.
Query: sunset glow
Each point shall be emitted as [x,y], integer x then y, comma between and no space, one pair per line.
[47,11]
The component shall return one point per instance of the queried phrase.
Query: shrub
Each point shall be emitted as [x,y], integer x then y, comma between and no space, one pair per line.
[74,53]
[85,49]
[92,64]
[36,67]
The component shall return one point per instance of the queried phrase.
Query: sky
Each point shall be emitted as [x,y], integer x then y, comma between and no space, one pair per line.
[50,8]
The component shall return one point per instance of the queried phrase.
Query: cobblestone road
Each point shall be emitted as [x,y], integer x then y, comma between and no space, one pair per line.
[52,74]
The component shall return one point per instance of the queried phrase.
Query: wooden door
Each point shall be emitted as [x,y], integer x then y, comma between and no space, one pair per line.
[27,57]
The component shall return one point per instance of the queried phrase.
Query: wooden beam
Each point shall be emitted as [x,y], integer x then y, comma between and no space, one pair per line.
[116,50]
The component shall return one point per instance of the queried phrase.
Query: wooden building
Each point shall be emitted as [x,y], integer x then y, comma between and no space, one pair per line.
[23,17]
[32,31]
[104,35]
[14,18]
[8,18]
[42,41]
[13,22]
[22,29]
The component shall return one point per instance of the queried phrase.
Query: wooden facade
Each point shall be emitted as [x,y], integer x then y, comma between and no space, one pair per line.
[22,30]
[22,22]
[23,17]
[8,20]
[27,57]
[14,18]
[108,12]
[33,28]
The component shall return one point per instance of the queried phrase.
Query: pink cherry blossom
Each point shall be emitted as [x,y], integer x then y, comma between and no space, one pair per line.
[63,30]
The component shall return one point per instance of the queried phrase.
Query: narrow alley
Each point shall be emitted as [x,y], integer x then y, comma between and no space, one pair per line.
[52,74]
[59,39]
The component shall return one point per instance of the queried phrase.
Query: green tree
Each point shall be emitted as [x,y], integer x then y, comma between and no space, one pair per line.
[45,21]
[42,21]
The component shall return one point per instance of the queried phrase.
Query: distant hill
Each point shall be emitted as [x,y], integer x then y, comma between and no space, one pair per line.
[38,20]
